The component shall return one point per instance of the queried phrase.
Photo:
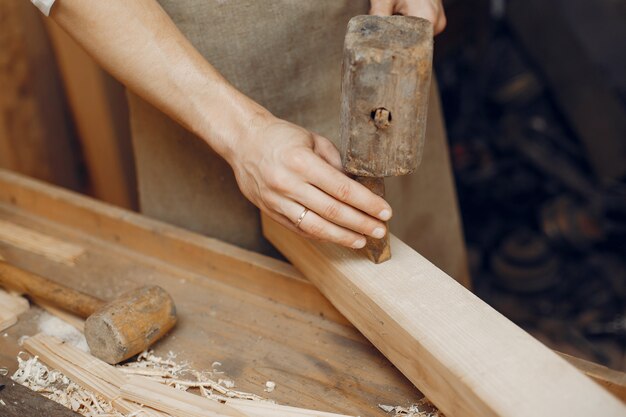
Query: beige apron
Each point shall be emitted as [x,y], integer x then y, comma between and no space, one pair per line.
[286,55]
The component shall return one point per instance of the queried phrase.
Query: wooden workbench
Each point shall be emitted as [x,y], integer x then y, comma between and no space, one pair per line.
[247,311]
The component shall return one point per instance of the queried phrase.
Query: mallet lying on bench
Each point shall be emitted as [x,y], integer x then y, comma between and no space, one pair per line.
[114,331]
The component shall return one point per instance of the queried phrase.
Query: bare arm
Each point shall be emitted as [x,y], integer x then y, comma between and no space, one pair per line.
[280,167]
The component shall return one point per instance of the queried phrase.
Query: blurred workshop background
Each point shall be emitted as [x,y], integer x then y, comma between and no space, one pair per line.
[534,95]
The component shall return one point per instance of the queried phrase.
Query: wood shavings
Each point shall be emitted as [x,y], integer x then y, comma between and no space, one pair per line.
[423,408]
[57,387]
[180,376]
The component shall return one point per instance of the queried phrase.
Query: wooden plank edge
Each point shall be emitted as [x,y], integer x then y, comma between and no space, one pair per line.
[462,354]
[611,380]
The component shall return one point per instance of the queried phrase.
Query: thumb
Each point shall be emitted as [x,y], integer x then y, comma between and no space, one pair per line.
[381,7]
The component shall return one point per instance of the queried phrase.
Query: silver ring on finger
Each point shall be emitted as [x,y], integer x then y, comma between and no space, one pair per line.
[306,210]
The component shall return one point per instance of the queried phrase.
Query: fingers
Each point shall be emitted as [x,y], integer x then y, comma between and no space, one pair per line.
[441,22]
[382,7]
[431,10]
[338,213]
[279,218]
[346,190]
[320,228]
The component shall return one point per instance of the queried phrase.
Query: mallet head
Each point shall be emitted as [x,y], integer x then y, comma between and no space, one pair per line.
[130,324]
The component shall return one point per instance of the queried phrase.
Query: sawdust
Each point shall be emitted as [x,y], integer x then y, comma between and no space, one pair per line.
[57,387]
[423,408]
[54,326]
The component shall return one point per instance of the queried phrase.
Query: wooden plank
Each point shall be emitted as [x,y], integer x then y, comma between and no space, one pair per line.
[240,268]
[70,214]
[19,401]
[462,354]
[112,384]
[105,389]
[315,362]
[612,380]
[104,133]
[11,306]
[36,136]
[30,240]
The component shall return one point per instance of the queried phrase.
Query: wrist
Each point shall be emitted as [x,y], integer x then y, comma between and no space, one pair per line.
[230,120]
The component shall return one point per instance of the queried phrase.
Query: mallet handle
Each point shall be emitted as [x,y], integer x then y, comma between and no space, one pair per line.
[377,250]
[40,288]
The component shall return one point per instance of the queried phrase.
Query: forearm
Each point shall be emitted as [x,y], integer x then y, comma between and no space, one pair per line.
[137,42]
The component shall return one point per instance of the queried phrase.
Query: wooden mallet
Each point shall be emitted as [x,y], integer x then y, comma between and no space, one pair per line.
[115,331]
[387,65]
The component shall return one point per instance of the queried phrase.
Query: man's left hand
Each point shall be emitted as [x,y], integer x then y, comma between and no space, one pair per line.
[428,9]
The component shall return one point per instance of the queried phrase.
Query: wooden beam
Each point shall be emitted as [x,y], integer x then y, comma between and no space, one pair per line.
[612,380]
[39,243]
[104,132]
[258,274]
[36,136]
[462,354]
[237,267]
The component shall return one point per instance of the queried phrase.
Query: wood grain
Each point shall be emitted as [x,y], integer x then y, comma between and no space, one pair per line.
[387,64]
[613,381]
[42,244]
[254,314]
[237,267]
[11,306]
[462,354]
[25,282]
[268,322]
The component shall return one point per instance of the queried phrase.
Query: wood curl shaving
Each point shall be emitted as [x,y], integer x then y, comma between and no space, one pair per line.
[57,387]
[423,408]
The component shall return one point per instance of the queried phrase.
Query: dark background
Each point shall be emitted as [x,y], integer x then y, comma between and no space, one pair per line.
[534,96]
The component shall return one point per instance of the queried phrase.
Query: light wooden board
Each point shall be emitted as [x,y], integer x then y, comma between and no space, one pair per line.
[234,306]
[11,306]
[42,244]
[465,356]
[240,268]
[614,381]
[333,368]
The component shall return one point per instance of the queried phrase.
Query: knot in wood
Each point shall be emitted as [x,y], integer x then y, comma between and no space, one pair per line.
[381,117]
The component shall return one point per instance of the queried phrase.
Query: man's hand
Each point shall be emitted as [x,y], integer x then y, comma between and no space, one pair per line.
[284,169]
[428,9]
